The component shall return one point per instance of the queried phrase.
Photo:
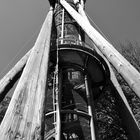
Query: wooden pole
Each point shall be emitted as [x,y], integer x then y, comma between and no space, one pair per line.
[58,102]
[125,107]
[112,74]
[128,72]
[80,6]
[117,86]
[24,116]
[7,82]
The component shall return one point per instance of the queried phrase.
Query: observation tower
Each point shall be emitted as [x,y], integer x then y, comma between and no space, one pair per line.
[67,88]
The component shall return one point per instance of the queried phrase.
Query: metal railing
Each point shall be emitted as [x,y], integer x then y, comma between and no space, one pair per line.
[71,41]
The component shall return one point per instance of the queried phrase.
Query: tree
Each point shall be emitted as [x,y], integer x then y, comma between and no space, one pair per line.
[131,51]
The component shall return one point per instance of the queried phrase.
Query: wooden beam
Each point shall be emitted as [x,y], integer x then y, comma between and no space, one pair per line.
[112,74]
[80,6]
[24,116]
[7,82]
[131,122]
[117,85]
[128,72]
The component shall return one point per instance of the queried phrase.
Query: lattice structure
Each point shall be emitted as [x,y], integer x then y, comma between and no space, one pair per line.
[68,90]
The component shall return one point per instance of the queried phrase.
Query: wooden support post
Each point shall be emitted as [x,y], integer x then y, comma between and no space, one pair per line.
[80,6]
[118,87]
[125,105]
[112,74]
[23,119]
[128,72]
[58,102]
[12,76]
[62,27]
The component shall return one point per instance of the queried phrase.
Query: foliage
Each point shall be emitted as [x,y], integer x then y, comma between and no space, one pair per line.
[108,120]
[131,51]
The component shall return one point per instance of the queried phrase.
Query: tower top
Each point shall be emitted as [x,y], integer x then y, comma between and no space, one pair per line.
[52,2]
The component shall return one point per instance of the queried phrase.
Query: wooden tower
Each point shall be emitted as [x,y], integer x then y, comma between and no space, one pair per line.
[62,79]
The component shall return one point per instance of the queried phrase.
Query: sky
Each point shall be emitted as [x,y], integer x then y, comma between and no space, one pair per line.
[21,20]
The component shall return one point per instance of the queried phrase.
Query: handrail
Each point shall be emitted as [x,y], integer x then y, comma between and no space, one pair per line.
[71,41]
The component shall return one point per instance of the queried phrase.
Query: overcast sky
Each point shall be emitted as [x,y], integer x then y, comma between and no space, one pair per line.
[21,20]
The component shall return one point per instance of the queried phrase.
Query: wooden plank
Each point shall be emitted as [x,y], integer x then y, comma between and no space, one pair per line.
[23,119]
[7,82]
[128,72]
